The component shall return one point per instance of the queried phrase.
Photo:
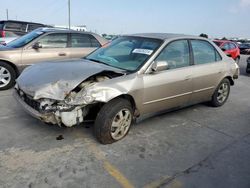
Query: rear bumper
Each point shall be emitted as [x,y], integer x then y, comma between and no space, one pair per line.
[47,117]
[237,73]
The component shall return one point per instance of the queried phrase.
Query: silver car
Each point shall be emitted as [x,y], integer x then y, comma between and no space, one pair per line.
[132,76]
[44,44]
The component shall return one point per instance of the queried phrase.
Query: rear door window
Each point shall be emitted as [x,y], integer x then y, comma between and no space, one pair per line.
[204,52]
[80,41]
[54,40]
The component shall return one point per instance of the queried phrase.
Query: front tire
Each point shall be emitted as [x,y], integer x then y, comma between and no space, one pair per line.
[7,76]
[113,121]
[221,93]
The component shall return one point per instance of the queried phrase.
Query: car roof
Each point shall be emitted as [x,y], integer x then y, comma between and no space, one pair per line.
[163,36]
[24,22]
[65,30]
[60,30]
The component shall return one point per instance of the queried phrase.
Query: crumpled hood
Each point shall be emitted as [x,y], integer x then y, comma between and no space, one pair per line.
[55,80]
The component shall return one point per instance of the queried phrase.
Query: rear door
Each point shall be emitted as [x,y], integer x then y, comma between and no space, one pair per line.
[82,44]
[173,87]
[54,46]
[208,70]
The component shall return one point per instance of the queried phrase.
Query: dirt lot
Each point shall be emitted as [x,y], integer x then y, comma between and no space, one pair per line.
[199,146]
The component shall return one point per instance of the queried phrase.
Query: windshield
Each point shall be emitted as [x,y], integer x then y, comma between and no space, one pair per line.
[22,41]
[127,53]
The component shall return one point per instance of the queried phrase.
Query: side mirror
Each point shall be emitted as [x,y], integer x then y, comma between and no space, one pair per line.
[37,45]
[223,49]
[159,66]
[229,55]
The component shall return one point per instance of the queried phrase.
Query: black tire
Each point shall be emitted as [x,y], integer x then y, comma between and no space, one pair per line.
[12,73]
[215,101]
[105,117]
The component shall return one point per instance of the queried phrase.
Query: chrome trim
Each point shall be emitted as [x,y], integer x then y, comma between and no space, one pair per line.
[163,99]
[175,96]
[204,89]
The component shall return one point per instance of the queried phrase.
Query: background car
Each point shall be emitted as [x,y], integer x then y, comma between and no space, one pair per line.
[244,48]
[44,44]
[230,48]
[134,75]
[12,29]
[8,28]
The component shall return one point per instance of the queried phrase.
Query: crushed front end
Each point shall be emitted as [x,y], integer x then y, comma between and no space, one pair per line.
[52,111]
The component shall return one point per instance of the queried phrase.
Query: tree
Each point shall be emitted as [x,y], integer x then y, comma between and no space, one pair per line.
[204,35]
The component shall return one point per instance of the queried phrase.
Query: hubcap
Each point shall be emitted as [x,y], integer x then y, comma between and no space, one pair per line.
[121,124]
[4,77]
[222,93]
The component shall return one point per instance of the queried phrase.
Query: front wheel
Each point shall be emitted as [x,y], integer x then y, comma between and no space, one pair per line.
[113,121]
[221,93]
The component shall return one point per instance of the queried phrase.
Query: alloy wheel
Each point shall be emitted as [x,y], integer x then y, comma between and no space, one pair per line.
[5,76]
[223,92]
[121,124]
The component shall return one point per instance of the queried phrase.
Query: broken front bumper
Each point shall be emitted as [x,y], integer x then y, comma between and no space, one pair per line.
[45,117]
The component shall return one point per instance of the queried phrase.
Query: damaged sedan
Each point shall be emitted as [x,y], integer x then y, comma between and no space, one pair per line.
[132,76]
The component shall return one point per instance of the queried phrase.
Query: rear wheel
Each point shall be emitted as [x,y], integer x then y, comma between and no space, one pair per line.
[221,93]
[7,76]
[113,121]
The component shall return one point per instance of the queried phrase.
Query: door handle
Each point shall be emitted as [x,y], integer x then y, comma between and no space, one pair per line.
[62,54]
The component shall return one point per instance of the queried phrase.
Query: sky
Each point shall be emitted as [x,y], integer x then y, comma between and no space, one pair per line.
[217,18]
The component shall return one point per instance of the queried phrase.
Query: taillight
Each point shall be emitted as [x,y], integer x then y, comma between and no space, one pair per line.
[2,33]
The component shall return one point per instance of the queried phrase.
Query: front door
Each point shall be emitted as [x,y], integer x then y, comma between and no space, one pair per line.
[54,46]
[170,88]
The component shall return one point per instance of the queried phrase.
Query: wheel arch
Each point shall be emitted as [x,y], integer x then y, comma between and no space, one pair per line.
[12,65]
[130,98]
[230,80]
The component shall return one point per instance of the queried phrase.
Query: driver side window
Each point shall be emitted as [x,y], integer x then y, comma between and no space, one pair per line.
[55,40]
[176,54]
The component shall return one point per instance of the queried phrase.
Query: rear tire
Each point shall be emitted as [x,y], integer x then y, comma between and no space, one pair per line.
[7,76]
[113,121]
[221,93]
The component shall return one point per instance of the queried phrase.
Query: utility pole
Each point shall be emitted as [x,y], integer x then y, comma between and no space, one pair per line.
[69,12]
[7,14]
